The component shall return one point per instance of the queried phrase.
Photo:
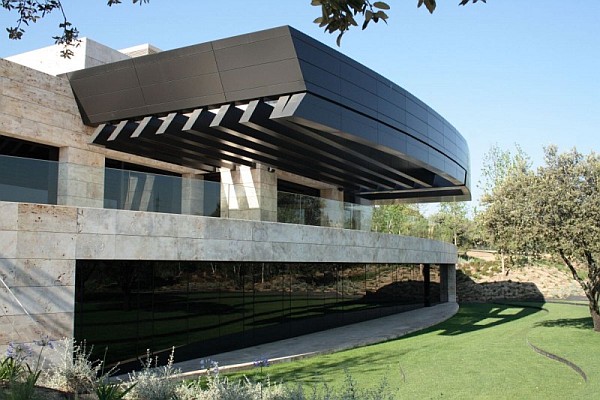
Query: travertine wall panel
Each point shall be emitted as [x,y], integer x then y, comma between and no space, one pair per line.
[39,245]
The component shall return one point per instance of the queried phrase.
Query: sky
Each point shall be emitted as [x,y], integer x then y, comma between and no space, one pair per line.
[503,73]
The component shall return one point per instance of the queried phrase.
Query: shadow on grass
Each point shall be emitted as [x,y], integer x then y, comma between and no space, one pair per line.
[579,323]
[474,317]
[309,373]
[470,318]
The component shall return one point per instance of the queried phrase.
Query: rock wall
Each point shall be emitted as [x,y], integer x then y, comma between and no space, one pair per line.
[526,283]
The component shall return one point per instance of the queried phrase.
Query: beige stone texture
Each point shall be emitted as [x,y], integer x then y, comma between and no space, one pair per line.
[249,193]
[192,194]
[47,218]
[8,216]
[8,244]
[37,272]
[38,258]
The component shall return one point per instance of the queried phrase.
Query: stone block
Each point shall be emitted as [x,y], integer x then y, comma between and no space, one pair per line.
[93,246]
[47,218]
[146,223]
[217,228]
[190,249]
[46,245]
[27,329]
[8,244]
[81,173]
[22,300]
[81,157]
[101,221]
[37,272]
[145,248]
[8,216]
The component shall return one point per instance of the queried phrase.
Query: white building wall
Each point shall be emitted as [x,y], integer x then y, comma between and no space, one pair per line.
[88,53]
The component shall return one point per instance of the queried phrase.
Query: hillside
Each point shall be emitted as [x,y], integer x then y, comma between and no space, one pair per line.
[480,278]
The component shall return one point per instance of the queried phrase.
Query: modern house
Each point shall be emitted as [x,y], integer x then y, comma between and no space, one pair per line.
[213,196]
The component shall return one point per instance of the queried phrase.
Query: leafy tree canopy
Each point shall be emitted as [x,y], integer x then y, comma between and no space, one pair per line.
[453,224]
[553,209]
[399,219]
[336,16]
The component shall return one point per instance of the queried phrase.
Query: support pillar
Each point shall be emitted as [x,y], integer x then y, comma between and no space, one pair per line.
[192,194]
[448,283]
[80,178]
[426,285]
[332,210]
[249,193]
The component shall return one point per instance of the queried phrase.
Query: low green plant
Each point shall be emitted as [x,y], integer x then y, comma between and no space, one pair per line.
[10,370]
[106,390]
[17,374]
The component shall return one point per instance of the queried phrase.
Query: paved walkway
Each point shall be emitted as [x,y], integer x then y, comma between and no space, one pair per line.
[329,341]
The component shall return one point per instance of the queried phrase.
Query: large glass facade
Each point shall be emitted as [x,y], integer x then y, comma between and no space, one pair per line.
[204,308]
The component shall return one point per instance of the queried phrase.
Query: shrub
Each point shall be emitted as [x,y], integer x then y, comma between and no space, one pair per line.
[154,382]
[74,371]
[218,388]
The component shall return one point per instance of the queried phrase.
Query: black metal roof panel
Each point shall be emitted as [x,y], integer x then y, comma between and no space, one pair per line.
[302,107]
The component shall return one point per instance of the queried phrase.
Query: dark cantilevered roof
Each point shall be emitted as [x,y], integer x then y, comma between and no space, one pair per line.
[279,98]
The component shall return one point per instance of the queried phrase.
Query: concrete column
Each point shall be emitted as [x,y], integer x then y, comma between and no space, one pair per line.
[426,285]
[448,283]
[192,194]
[80,178]
[332,210]
[249,193]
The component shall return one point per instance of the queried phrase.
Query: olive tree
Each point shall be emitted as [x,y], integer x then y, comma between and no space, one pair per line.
[505,216]
[556,209]
[565,199]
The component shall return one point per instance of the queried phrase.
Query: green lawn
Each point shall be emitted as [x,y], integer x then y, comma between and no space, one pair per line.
[481,353]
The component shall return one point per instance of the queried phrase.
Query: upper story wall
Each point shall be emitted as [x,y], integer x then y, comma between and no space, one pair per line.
[41,108]
[88,53]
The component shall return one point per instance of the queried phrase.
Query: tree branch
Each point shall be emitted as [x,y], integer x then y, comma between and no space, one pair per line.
[586,288]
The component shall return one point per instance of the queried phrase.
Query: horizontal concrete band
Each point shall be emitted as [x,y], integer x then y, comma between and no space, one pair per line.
[34,231]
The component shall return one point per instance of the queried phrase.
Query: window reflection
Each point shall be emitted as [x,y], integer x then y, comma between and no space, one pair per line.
[204,308]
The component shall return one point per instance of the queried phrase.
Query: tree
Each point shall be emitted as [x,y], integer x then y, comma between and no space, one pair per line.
[565,199]
[399,219]
[336,16]
[504,216]
[554,209]
[453,224]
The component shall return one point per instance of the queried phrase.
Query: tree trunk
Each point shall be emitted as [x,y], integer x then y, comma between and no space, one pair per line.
[595,319]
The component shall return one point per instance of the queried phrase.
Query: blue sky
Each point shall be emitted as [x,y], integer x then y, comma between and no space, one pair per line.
[504,72]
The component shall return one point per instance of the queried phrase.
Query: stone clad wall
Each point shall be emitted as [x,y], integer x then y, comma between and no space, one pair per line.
[37,263]
[39,245]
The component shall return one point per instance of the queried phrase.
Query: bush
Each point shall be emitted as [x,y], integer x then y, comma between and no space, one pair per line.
[74,371]
[154,382]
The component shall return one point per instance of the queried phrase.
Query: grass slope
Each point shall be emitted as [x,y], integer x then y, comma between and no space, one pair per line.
[481,353]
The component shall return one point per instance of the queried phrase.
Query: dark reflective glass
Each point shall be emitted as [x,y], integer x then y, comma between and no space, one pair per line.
[28,180]
[204,308]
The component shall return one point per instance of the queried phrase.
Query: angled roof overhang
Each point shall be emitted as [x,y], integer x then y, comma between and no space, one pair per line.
[280,98]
